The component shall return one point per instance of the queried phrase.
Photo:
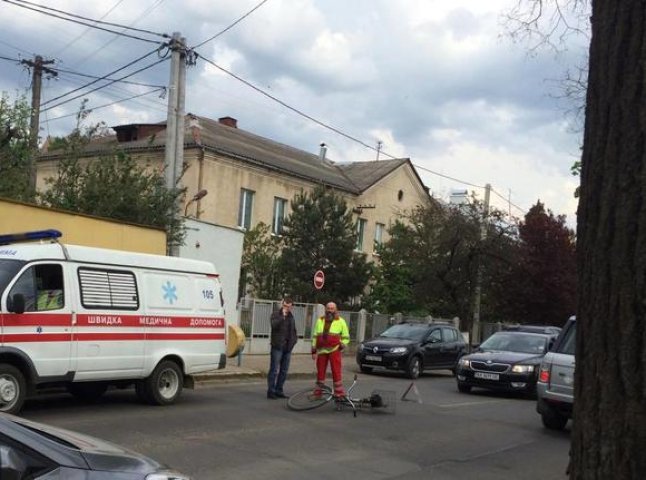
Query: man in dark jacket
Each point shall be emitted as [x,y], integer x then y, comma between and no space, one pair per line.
[283,339]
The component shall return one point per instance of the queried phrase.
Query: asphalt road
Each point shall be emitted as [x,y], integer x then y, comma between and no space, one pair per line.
[231,431]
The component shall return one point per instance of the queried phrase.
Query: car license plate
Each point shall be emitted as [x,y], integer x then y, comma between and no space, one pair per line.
[373,358]
[487,376]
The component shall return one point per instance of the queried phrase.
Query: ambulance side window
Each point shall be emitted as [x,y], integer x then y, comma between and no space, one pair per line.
[42,287]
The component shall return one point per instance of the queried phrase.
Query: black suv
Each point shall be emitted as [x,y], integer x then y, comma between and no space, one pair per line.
[413,348]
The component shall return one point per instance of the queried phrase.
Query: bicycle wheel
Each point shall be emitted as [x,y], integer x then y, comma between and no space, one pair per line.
[306,400]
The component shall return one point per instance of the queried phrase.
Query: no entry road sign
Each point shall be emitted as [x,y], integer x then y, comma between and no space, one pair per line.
[319,279]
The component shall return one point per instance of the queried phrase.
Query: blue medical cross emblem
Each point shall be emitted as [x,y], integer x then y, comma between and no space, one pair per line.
[170,292]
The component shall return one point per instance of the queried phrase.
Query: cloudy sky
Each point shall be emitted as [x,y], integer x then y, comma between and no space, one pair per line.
[437,81]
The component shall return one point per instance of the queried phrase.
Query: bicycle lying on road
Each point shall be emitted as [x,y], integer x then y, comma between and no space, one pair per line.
[310,399]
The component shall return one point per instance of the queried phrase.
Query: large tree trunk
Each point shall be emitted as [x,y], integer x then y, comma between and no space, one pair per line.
[609,433]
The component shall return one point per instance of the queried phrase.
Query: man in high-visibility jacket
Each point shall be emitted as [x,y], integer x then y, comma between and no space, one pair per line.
[329,337]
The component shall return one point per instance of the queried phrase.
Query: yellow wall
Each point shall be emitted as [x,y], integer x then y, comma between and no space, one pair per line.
[81,229]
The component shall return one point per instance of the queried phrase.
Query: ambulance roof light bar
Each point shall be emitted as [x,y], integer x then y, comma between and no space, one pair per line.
[49,234]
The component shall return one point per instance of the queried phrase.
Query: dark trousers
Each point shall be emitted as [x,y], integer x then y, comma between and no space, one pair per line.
[278,367]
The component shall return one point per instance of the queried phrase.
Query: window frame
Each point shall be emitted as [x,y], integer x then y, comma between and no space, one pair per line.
[102,306]
[245,208]
[278,219]
[361,230]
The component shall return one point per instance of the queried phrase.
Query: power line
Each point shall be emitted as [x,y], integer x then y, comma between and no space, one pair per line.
[84,32]
[115,92]
[101,78]
[507,200]
[109,104]
[464,182]
[118,25]
[129,82]
[295,110]
[107,84]
[16,48]
[333,129]
[91,25]
[232,25]
[10,59]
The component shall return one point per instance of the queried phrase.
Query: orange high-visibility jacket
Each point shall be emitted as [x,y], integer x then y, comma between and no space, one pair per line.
[337,335]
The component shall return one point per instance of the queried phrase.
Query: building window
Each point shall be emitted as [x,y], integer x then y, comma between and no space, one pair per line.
[280,207]
[361,229]
[246,206]
[379,234]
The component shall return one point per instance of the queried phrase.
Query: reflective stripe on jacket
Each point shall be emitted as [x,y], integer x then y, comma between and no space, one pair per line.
[337,335]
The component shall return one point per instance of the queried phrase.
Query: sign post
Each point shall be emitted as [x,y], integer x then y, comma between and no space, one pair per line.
[319,279]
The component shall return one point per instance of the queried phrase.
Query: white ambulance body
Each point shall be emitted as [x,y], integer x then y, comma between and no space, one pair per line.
[87,318]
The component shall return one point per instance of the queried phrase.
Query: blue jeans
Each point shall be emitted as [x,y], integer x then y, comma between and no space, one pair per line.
[278,367]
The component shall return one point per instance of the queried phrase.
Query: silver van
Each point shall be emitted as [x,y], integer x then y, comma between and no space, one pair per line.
[555,386]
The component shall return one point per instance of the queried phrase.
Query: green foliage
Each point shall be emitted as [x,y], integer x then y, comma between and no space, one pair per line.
[260,269]
[14,149]
[430,262]
[320,234]
[113,186]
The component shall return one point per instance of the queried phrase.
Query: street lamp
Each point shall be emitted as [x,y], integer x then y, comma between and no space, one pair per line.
[199,195]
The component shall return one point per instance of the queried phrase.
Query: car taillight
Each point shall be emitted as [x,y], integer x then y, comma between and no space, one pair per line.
[544,376]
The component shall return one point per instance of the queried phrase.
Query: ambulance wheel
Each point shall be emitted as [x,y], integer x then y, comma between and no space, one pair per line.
[165,384]
[13,389]
[87,391]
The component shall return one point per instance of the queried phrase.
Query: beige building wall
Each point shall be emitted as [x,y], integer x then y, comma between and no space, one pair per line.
[397,193]
[224,178]
[80,229]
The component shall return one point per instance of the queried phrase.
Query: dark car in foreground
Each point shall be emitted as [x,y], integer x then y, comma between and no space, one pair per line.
[555,387]
[30,450]
[412,348]
[507,360]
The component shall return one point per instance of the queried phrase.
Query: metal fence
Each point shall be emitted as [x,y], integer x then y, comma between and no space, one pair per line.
[255,322]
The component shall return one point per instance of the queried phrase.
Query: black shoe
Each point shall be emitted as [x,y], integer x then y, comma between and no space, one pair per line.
[280,395]
[273,396]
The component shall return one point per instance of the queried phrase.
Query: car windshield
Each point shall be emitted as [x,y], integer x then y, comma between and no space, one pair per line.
[8,270]
[515,342]
[406,331]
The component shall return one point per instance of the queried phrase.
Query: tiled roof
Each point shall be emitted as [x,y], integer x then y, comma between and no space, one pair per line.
[366,174]
[237,143]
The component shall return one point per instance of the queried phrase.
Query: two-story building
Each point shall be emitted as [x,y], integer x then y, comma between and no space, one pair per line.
[252,179]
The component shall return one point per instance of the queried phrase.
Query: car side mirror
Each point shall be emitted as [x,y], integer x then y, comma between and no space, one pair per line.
[12,465]
[16,304]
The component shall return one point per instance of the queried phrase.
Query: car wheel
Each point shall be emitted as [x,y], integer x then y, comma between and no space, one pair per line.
[365,369]
[414,369]
[165,384]
[552,419]
[464,388]
[13,389]
[87,392]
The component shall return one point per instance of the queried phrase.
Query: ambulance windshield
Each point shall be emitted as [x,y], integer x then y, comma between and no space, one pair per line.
[8,270]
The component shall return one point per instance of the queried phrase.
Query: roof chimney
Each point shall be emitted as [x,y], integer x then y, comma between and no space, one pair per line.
[228,121]
[322,152]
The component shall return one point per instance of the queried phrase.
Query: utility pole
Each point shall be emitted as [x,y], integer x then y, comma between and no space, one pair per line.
[174,152]
[379,145]
[38,67]
[476,327]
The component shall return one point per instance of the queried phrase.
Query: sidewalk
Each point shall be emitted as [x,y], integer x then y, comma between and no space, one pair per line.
[256,367]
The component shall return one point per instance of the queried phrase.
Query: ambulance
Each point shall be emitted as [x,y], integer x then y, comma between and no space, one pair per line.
[89,318]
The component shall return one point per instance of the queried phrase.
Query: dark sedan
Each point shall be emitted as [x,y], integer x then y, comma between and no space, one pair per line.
[413,348]
[30,450]
[507,360]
